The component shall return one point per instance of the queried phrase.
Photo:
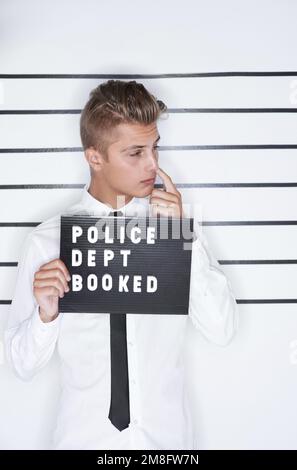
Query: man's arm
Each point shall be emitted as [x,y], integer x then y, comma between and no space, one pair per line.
[212,305]
[29,340]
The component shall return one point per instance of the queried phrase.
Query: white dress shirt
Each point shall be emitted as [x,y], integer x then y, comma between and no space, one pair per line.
[159,407]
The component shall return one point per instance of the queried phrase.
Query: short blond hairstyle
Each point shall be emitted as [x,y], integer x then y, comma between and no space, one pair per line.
[112,103]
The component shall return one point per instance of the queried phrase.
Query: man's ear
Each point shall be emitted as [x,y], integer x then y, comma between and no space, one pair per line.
[94,158]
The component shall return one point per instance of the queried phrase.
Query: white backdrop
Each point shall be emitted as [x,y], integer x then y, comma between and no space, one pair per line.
[227,70]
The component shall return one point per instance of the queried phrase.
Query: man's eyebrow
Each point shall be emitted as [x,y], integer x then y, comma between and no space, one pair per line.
[139,146]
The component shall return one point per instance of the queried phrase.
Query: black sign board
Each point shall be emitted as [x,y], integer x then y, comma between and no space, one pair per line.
[126,264]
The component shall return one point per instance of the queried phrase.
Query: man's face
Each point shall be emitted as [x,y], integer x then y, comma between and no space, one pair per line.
[132,159]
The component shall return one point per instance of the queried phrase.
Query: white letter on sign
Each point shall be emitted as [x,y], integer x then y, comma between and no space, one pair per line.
[151,284]
[76,282]
[76,232]
[125,254]
[135,230]
[107,282]
[76,258]
[137,283]
[107,235]
[92,282]
[91,258]
[151,235]
[92,234]
[108,256]
[123,283]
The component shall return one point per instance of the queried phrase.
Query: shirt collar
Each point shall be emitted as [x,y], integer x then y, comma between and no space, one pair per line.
[136,207]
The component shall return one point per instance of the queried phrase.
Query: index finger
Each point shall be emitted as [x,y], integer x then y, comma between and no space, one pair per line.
[168,183]
[57,263]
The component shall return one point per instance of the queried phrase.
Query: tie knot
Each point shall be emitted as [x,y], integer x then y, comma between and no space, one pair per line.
[116,213]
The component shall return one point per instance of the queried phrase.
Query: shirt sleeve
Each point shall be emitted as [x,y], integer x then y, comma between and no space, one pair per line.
[29,342]
[212,306]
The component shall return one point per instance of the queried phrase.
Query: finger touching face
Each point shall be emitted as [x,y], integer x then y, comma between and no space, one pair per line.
[167,181]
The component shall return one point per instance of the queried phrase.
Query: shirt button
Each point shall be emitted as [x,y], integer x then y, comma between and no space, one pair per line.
[135,421]
[133,382]
[130,343]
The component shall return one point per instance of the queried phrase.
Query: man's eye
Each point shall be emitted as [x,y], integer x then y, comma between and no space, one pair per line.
[139,153]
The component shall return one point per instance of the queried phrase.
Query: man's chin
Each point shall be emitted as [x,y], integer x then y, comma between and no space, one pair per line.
[144,192]
[139,192]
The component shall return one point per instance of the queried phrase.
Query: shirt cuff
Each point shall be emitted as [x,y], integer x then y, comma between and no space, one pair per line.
[45,332]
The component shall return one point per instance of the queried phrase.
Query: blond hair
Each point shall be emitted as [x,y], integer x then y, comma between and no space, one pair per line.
[112,103]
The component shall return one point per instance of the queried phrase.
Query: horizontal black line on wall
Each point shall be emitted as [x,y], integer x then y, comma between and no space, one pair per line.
[223,223]
[266,301]
[167,147]
[256,261]
[239,301]
[19,224]
[169,110]
[9,264]
[210,223]
[153,76]
[232,185]
[159,185]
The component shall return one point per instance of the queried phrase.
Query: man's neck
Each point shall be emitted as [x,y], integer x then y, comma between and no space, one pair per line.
[111,199]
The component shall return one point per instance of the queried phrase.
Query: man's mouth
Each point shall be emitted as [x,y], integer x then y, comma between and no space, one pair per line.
[148,181]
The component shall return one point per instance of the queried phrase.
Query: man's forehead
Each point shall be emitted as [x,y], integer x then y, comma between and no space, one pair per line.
[135,133]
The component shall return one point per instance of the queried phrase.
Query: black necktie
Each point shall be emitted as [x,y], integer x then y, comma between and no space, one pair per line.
[119,412]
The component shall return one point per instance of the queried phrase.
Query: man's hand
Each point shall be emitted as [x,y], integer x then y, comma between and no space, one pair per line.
[50,283]
[168,202]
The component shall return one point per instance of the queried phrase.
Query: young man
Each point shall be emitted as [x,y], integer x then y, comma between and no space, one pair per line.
[119,135]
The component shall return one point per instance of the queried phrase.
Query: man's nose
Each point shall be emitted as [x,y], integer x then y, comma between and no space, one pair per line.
[152,162]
